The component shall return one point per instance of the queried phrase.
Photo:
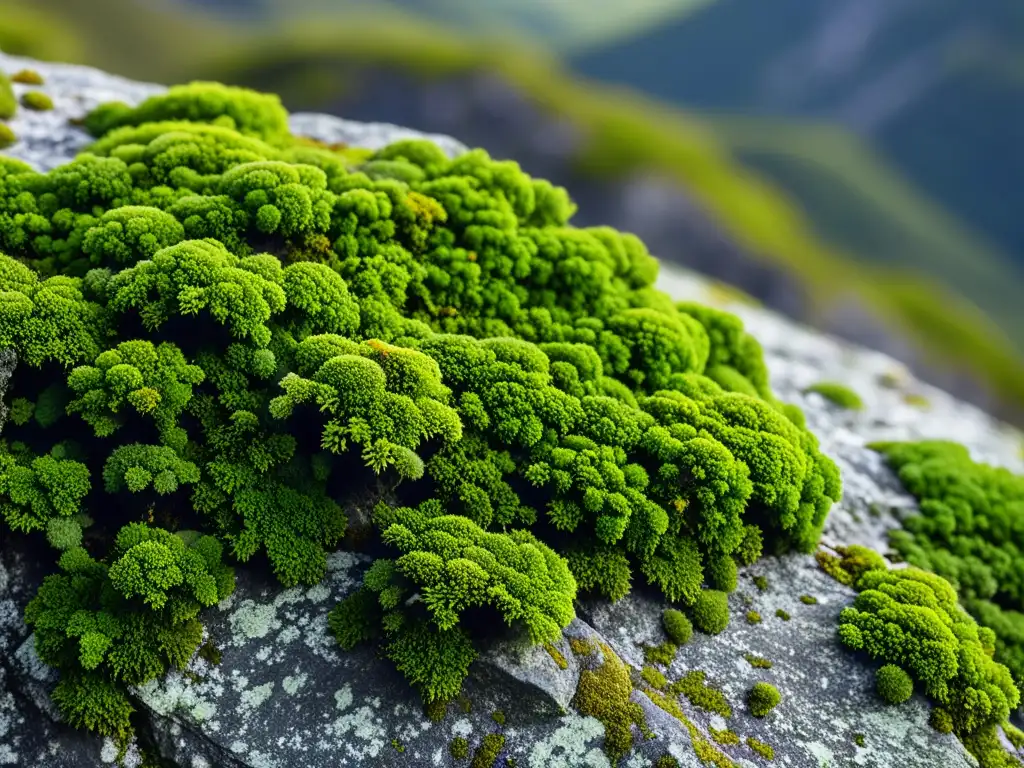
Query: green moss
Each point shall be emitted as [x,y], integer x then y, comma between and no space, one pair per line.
[1013,734]
[859,740]
[8,104]
[705,751]
[761,582]
[486,755]
[758,662]
[210,652]
[654,677]
[581,647]
[917,400]
[397,745]
[763,698]
[692,685]
[666,761]
[753,617]
[458,748]
[7,136]
[677,626]
[435,710]
[603,693]
[940,720]
[27,77]
[784,615]
[711,612]
[556,655]
[893,684]
[663,654]
[851,563]
[498,716]
[839,394]
[808,600]
[724,737]
[761,748]
[36,100]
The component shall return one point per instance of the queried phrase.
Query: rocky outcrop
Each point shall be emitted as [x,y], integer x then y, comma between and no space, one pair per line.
[271,689]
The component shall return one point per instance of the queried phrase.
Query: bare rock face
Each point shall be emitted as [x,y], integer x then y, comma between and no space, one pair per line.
[278,692]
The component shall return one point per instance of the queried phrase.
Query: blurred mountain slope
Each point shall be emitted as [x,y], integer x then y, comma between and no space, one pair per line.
[936,85]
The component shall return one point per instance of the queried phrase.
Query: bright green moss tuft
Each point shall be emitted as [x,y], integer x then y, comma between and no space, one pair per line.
[663,654]
[654,677]
[859,739]
[724,737]
[763,698]
[753,617]
[7,136]
[36,100]
[8,104]
[852,563]
[711,612]
[808,599]
[839,394]
[894,685]
[677,626]
[761,748]
[692,685]
[784,615]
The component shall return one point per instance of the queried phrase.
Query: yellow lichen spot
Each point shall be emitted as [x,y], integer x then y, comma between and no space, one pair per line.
[555,654]
[581,647]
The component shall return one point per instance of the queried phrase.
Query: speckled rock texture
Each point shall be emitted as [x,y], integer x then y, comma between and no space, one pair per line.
[282,693]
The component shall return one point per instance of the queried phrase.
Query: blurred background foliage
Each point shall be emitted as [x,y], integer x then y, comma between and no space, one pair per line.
[854,163]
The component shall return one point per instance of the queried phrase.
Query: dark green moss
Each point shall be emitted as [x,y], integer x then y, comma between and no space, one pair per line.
[458,747]
[784,615]
[753,617]
[487,753]
[663,654]
[758,662]
[761,582]
[859,740]
[808,600]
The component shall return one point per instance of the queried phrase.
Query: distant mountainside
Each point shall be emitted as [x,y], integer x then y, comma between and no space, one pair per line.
[937,86]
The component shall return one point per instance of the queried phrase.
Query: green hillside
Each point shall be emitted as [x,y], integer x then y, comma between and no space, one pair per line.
[625,133]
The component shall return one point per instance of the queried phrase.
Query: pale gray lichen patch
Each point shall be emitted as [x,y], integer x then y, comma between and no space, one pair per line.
[572,743]
[293,683]
[254,697]
[252,620]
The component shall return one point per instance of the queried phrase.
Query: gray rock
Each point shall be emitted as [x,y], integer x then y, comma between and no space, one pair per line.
[284,694]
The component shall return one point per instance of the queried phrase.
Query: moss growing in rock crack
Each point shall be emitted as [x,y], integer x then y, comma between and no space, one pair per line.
[654,677]
[245,328]
[556,656]
[808,599]
[663,654]
[458,748]
[763,698]
[758,662]
[27,77]
[724,737]
[753,617]
[37,101]
[762,748]
[603,693]
[692,685]
[894,685]
[839,394]
[782,614]
[580,646]
[706,752]
[486,755]
[677,626]
[711,612]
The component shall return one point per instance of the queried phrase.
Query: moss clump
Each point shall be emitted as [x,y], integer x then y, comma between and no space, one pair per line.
[435,710]
[839,394]
[654,677]
[253,330]
[763,698]
[27,77]
[486,755]
[808,599]
[724,737]
[761,582]
[753,617]
[1013,734]
[758,662]
[458,748]
[940,720]
[7,137]
[764,750]
[859,740]
[397,745]
[692,685]
[663,654]
[603,693]
[581,647]
[894,685]
[917,400]
[784,615]
[968,532]
[210,653]
[711,612]
[556,656]
[8,104]
[498,716]
[677,626]
[36,100]
[851,563]
[666,761]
